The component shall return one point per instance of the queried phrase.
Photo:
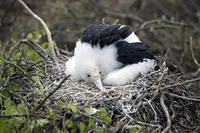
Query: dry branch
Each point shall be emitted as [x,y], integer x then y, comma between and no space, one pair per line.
[192,52]
[166,114]
[46,29]
[52,92]
[182,83]
[183,97]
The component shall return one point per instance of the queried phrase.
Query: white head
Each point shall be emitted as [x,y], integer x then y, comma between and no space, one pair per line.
[90,72]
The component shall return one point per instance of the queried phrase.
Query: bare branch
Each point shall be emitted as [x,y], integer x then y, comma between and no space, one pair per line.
[46,29]
[166,114]
[51,93]
[182,97]
[192,52]
[182,83]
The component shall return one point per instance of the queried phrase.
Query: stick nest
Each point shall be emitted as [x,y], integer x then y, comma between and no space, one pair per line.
[158,101]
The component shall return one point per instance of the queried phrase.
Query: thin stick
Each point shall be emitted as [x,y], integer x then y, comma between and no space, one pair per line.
[166,114]
[8,62]
[192,52]
[182,83]
[46,29]
[182,97]
[51,93]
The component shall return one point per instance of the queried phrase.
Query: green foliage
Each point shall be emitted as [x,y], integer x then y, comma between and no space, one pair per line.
[100,130]
[81,127]
[9,108]
[135,130]
[73,108]
[85,125]
[15,106]
[104,116]
[12,105]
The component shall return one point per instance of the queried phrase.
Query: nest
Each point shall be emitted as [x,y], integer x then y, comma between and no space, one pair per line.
[158,101]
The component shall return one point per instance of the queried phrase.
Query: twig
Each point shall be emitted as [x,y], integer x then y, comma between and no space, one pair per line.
[51,93]
[182,97]
[163,21]
[163,74]
[46,29]
[22,98]
[180,84]
[13,48]
[139,122]
[155,114]
[192,52]
[186,127]
[166,114]
[32,44]
[17,67]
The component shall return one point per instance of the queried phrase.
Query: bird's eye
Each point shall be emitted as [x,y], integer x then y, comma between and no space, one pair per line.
[99,72]
[89,75]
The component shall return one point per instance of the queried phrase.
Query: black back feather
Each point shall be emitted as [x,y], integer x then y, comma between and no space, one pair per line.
[104,34]
[130,53]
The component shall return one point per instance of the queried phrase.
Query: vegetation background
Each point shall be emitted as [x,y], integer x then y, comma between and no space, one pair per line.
[165,25]
[170,27]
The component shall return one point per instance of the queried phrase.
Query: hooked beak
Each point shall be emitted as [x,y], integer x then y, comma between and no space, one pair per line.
[98,83]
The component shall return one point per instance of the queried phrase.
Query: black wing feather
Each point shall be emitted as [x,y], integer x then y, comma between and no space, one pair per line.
[130,53]
[124,32]
[104,34]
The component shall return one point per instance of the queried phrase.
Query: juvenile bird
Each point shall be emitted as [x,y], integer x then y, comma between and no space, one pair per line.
[111,54]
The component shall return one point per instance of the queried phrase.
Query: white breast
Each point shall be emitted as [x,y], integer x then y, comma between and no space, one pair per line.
[105,57]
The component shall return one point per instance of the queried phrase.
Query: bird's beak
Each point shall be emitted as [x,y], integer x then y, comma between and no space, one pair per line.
[98,83]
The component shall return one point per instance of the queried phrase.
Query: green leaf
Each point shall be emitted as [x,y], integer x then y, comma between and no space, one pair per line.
[30,36]
[103,110]
[42,122]
[104,116]
[21,108]
[61,104]
[107,119]
[73,131]
[73,107]
[43,32]
[81,127]
[7,103]
[91,123]
[133,130]
[91,111]
[37,34]
[11,110]
[69,123]
[44,45]
[99,129]
[2,126]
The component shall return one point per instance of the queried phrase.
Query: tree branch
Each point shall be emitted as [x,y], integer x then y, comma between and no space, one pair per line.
[51,93]
[182,83]
[166,114]
[46,29]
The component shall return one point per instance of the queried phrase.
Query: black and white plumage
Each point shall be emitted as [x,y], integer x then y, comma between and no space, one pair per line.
[112,54]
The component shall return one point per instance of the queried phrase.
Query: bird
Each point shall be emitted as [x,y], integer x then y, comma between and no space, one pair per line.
[110,55]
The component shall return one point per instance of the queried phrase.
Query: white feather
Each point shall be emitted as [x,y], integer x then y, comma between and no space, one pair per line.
[132,38]
[128,73]
[87,58]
